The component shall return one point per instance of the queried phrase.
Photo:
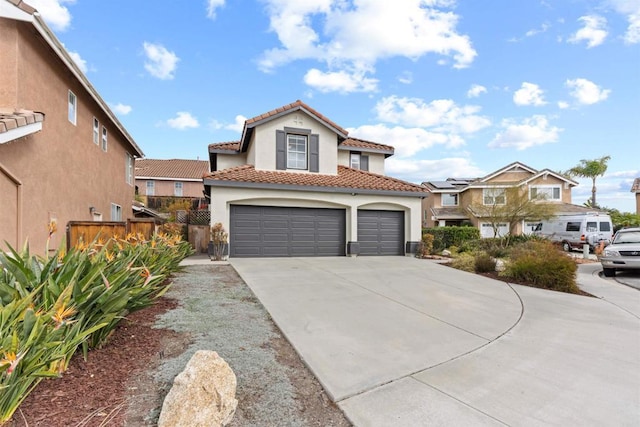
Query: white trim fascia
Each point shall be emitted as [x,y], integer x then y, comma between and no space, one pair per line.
[507,168]
[19,132]
[155,178]
[11,11]
[548,172]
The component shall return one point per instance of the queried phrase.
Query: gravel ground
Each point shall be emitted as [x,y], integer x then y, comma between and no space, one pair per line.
[218,311]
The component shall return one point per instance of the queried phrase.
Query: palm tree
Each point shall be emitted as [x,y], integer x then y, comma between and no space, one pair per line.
[591,169]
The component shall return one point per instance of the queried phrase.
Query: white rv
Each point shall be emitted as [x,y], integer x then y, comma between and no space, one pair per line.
[575,230]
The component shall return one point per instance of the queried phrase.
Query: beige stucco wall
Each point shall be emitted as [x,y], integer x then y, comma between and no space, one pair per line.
[223,198]
[63,173]
[225,161]
[376,161]
[263,149]
[166,187]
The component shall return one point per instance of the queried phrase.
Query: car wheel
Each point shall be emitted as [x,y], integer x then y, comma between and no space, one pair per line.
[609,272]
[566,247]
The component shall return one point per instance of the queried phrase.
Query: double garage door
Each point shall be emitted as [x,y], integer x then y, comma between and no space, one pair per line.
[269,231]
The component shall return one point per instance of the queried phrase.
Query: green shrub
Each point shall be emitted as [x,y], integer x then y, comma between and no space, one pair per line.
[484,263]
[426,245]
[465,262]
[448,236]
[543,265]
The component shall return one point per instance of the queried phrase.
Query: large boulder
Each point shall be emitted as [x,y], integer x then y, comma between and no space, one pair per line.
[202,395]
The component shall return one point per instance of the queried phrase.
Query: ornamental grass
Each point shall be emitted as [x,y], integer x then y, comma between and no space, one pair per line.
[51,307]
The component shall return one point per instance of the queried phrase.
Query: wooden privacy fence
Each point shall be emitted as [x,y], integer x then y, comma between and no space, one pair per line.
[88,231]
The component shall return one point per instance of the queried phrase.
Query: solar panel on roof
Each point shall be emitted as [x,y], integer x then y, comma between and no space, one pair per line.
[441,184]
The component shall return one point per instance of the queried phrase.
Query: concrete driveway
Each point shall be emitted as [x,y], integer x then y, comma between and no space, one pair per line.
[399,341]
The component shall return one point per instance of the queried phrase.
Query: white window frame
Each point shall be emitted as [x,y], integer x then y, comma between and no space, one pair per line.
[129,168]
[548,190]
[116,212]
[489,196]
[297,158]
[72,107]
[178,188]
[453,195]
[355,160]
[152,185]
[104,139]
[96,131]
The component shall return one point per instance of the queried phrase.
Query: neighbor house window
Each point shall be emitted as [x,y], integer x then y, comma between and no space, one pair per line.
[449,199]
[177,189]
[151,188]
[493,196]
[73,105]
[96,131]
[355,160]
[129,168]
[546,193]
[116,212]
[104,138]
[296,152]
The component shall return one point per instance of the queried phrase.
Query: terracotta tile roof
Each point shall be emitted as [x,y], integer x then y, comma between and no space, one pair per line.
[227,146]
[22,5]
[296,106]
[172,168]
[368,145]
[347,178]
[635,188]
[12,119]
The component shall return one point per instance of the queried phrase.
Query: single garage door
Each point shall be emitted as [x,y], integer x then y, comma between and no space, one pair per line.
[268,231]
[381,232]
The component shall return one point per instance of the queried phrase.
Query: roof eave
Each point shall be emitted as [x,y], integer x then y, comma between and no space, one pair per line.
[20,132]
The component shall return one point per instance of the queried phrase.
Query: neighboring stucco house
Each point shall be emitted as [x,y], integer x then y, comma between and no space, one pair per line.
[450,201]
[170,179]
[635,188]
[63,153]
[295,184]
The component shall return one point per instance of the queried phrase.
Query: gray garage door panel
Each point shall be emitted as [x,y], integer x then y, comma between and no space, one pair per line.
[381,232]
[268,231]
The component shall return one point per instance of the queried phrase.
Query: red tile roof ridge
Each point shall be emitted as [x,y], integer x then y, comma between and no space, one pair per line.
[291,106]
[226,145]
[171,168]
[360,140]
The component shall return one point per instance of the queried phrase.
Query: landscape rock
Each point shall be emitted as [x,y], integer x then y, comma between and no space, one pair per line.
[446,253]
[202,395]
[500,265]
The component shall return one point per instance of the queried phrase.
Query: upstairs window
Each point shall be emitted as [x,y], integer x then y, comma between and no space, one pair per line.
[545,193]
[129,168]
[151,188]
[177,189]
[449,199]
[355,160]
[493,196]
[96,131]
[297,152]
[104,138]
[73,106]
[116,212]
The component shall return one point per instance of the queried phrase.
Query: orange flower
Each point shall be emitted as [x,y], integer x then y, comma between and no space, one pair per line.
[11,359]
[62,315]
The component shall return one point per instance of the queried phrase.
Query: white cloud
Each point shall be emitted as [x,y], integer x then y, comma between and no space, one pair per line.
[532,131]
[442,115]
[238,125]
[529,94]
[406,77]
[593,32]
[431,170]
[54,13]
[355,35]
[183,120]
[406,141]
[121,108]
[212,6]
[340,81]
[563,105]
[631,10]
[476,90]
[586,92]
[543,28]
[81,63]
[161,62]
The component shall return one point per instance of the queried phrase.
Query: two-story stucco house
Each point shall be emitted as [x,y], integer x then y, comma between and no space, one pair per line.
[635,188]
[64,156]
[295,184]
[164,180]
[450,202]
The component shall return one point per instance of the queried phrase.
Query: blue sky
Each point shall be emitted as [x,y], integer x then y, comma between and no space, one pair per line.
[459,88]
